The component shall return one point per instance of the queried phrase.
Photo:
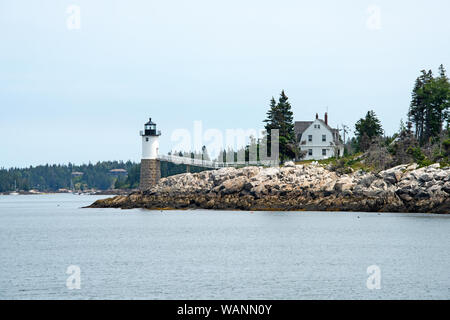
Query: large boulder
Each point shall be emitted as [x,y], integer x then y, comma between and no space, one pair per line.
[446,187]
[425,177]
[289,164]
[233,185]
[223,174]
[393,175]
[366,180]
[343,184]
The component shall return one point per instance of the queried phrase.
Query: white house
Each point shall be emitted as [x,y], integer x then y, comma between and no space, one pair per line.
[318,139]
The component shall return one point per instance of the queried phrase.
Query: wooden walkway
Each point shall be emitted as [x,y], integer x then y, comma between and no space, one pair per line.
[214,164]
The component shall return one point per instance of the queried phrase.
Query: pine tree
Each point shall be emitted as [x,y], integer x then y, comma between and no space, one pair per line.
[418,108]
[272,116]
[430,104]
[287,119]
[281,117]
[366,129]
[271,123]
[441,99]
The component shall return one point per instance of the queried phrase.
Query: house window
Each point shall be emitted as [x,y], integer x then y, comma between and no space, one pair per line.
[324,137]
[324,152]
[310,152]
[310,138]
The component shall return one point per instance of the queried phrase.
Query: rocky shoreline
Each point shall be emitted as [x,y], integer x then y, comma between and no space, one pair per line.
[311,187]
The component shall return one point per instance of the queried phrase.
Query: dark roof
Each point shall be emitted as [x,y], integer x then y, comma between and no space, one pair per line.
[150,121]
[118,170]
[325,125]
[301,126]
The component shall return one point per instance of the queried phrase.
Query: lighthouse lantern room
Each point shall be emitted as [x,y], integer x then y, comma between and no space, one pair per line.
[150,166]
[150,140]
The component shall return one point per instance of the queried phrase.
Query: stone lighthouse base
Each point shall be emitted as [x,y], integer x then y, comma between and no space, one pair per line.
[150,173]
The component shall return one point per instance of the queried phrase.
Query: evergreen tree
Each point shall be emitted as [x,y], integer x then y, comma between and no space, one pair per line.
[286,119]
[271,121]
[281,117]
[417,108]
[441,101]
[366,129]
[429,105]
[271,115]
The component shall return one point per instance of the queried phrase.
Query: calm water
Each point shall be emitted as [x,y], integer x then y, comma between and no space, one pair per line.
[216,255]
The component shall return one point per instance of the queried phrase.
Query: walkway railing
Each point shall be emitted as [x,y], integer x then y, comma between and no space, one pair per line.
[214,164]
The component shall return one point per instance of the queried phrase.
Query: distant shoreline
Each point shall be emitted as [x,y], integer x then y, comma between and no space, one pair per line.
[94,193]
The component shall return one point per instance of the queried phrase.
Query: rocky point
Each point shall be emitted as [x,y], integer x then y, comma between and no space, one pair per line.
[311,187]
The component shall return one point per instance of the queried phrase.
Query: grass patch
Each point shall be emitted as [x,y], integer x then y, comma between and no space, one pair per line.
[343,164]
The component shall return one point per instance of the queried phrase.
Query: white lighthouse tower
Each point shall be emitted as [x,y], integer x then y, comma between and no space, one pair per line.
[150,140]
[150,166]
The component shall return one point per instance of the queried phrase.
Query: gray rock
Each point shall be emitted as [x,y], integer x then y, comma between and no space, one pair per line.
[446,187]
[440,175]
[425,177]
[367,180]
[343,184]
[233,186]
[393,175]
[289,164]
[311,187]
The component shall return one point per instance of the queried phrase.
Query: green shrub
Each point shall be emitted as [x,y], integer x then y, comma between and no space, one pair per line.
[419,157]
[446,145]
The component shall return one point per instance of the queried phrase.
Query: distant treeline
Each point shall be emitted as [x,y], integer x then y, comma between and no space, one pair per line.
[94,176]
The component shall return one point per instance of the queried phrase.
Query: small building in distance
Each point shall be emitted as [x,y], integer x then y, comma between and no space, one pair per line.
[317,139]
[118,172]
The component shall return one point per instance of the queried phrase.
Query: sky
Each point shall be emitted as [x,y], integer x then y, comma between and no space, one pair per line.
[77,86]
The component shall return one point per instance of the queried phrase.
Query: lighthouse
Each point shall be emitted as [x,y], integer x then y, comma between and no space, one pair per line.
[150,166]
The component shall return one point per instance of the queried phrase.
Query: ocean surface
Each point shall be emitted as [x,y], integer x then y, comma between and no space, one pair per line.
[139,254]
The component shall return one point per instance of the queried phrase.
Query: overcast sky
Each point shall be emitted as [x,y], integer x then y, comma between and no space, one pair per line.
[79,95]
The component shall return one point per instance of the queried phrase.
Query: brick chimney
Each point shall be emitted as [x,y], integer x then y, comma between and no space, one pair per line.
[326,118]
[317,116]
